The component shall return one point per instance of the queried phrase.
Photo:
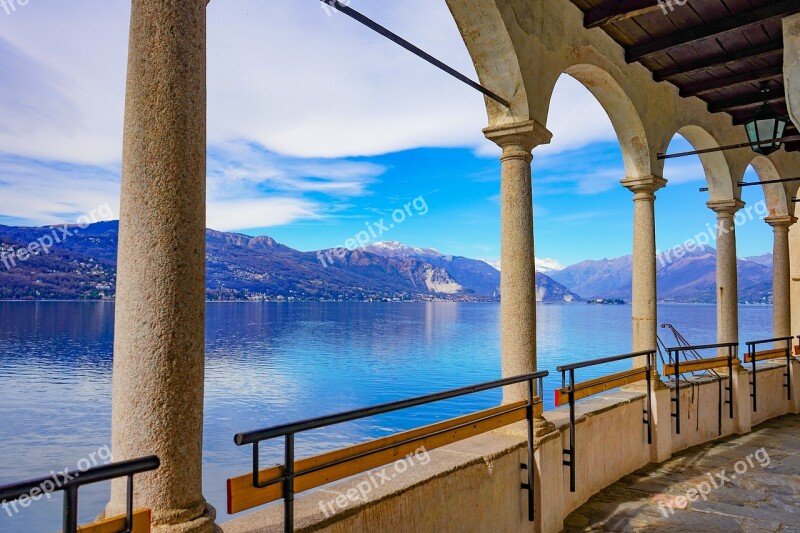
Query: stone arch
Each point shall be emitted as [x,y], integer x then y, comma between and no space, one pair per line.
[715,165]
[774,193]
[495,58]
[623,115]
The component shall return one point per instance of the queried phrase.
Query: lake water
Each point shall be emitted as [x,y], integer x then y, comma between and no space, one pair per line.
[269,363]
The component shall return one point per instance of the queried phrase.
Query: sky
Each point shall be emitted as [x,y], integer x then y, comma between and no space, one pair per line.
[319,129]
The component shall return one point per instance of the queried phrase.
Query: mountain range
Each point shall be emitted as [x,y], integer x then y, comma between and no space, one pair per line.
[241,267]
[691,278]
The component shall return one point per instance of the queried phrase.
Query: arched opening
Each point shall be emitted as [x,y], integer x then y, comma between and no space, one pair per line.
[583,215]
[774,194]
[715,166]
[622,113]
[689,243]
[493,54]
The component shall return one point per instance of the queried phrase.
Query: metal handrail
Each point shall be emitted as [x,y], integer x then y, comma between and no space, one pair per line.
[703,347]
[288,431]
[751,351]
[570,369]
[272,432]
[603,360]
[765,341]
[70,483]
[676,351]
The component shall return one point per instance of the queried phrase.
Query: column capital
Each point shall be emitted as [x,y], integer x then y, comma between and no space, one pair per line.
[518,136]
[780,222]
[644,185]
[725,207]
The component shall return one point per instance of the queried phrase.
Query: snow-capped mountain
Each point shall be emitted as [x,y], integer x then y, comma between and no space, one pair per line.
[492,262]
[545,266]
[399,250]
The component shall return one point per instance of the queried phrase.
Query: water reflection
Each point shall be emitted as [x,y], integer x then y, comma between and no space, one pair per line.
[269,363]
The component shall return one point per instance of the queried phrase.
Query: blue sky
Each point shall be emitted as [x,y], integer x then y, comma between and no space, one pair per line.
[318,128]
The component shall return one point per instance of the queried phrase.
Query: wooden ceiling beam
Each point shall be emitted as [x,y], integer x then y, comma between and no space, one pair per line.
[792,147]
[718,27]
[726,60]
[748,100]
[615,11]
[730,81]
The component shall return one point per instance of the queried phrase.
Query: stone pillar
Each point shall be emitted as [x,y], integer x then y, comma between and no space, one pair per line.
[517,278]
[644,309]
[160,310]
[727,276]
[791,65]
[781,310]
[794,270]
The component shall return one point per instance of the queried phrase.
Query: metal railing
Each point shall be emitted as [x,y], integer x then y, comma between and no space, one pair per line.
[70,483]
[696,365]
[288,472]
[753,357]
[577,391]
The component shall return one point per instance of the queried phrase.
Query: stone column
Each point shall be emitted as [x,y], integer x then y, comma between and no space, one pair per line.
[794,270]
[643,303]
[728,306]
[781,310]
[517,278]
[727,276]
[644,310]
[160,309]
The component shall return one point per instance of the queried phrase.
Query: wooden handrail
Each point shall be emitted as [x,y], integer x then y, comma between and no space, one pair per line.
[696,365]
[765,355]
[332,466]
[602,384]
[141,524]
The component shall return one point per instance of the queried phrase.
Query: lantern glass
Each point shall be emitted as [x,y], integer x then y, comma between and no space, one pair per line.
[765,130]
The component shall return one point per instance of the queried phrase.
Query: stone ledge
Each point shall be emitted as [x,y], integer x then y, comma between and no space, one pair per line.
[594,406]
[481,449]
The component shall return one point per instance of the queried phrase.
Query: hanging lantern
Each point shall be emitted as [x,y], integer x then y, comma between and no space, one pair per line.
[765,130]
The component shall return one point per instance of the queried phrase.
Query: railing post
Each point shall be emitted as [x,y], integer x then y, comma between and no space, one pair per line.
[71,510]
[789,369]
[649,400]
[677,392]
[288,486]
[751,352]
[530,466]
[572,431]
[730,379]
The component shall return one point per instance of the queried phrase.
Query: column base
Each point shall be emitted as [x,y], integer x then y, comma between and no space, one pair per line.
[549,479]
[205,523]
[661,421]
[794,372]
[742,402]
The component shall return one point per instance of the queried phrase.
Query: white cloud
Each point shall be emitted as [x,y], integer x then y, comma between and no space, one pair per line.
[36,193]
[281,74]
[576,118]
[241,169]
[291,93]
[260,213]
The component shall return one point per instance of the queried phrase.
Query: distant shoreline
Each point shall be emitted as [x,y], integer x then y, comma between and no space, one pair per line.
[380,302]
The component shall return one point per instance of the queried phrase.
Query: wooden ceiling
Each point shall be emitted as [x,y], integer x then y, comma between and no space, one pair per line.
[717,50]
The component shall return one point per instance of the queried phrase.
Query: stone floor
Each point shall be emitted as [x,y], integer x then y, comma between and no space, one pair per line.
[758,498]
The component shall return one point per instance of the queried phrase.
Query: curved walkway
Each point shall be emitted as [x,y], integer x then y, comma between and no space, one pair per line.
[748,483]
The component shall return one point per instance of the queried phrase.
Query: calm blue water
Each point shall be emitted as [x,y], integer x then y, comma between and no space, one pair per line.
[269,363]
